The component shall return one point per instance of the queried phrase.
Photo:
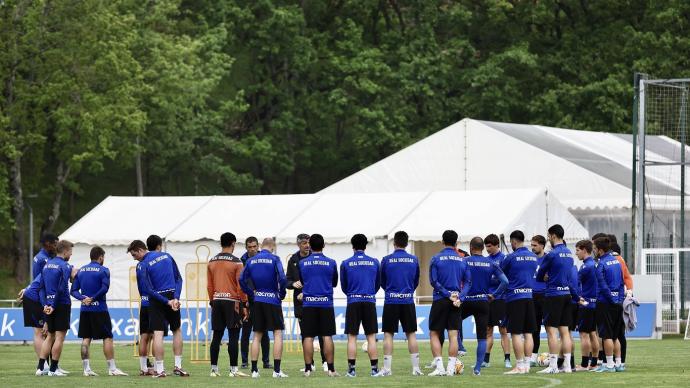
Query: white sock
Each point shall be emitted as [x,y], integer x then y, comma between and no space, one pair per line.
[451,363]
[387,361]
[111,364]
[609,362]
[439,363]
[142,364]
[86,364]
[566,360]
[533,357]
[414,357]
[159,366]
[518,363]
[178,362]
[553,361]
[618,361]
[214,368]
[233,369]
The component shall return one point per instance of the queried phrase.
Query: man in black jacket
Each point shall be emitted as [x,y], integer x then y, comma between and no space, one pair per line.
[295,283]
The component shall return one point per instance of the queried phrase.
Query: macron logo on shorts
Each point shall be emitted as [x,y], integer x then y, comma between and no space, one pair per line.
[317,299]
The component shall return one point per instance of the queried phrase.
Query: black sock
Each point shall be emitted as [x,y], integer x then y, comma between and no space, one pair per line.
[572,362]
[331,367]
[351,365]
[593,361]
[53,365]
[507,356]
[487,357]
[148,363]
[560,362]
[374,365]
[602,356]
[307,367]
[254,367]
[276,365]
[585,362]
[41,364]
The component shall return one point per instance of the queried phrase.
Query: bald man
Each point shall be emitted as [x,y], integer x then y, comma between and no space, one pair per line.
[264,279]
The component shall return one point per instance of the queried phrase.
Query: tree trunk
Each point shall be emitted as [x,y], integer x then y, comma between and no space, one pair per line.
[21,261]
[140,180]
[60,179]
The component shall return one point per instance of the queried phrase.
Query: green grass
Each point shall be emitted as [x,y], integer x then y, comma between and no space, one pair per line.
[650,364]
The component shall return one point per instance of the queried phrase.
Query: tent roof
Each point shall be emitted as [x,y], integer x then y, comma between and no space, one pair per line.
[119,220]
[244,215]
[483,155]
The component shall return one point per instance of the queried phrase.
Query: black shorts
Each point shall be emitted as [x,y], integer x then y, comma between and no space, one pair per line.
[538,300]
[225,314]
[609,320]
[95,325]
[586,322]
[318,321]
[59,319]
[161,315]
[444,316]
[557,310]
[33,313]
[267,317]
[574,315]
[144,321]
[497,313]
[405,314]
[363,313]
[479,309]
[520,314]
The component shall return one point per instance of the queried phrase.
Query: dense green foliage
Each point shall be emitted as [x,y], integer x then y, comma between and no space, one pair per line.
[278,96]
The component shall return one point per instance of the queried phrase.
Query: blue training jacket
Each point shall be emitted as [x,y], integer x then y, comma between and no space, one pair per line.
[399,277]
[39,261]
[55,281]
[319,275]
[35,292]
[161,276]
[92,280]
[360,278]
[611,288]
[587,277]
[495,282]
[449,273]
[574,285]
[142,283]
[264,278]
[539,287]
[557,264]
[519,267]
[482,269]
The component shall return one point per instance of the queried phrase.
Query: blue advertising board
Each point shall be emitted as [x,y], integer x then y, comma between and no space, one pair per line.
[126,323]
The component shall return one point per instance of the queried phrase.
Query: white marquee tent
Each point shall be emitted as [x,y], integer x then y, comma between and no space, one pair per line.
[186,223]
[589,172]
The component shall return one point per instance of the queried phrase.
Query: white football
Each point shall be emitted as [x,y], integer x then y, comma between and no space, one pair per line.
[543,359]
[317,347]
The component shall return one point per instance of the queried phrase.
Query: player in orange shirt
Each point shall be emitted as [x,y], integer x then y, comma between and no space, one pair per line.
[228,302]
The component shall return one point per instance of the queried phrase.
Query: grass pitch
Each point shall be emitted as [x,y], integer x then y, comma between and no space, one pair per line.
[650,363]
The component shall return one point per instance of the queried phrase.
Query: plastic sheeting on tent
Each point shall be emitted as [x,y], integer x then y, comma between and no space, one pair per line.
[481,212]
[338,216]
[119,220]
[244,215]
